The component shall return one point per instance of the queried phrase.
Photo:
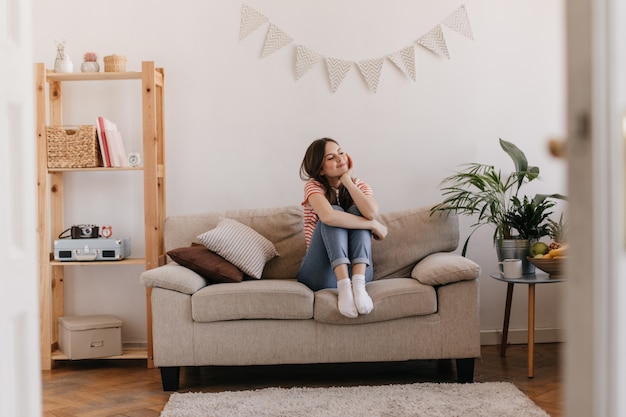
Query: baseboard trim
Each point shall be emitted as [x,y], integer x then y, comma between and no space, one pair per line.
[520,336]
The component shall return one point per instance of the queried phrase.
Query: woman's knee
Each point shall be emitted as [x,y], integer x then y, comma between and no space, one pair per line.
[354,210]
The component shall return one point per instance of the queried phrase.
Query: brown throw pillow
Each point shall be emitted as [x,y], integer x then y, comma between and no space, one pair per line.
[209,265]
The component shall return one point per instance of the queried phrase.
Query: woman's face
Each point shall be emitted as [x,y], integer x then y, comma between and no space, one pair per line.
[335,161]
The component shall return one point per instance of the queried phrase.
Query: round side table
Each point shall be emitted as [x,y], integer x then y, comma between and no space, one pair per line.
[531,280]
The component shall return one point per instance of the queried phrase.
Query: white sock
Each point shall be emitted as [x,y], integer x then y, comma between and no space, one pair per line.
[362,300]
[346,299]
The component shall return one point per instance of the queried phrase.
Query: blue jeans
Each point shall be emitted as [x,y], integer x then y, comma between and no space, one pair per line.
[332,246]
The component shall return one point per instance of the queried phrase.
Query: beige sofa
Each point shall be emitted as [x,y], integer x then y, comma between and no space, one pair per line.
[426,303]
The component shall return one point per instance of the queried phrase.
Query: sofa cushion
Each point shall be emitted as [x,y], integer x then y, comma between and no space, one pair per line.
[445,267]
[255,299]
[241,245]
[209,265]
[394,298]
[173,277]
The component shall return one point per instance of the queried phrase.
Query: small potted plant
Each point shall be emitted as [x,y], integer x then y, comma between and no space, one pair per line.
[90,63]
[482,190]
[530,217]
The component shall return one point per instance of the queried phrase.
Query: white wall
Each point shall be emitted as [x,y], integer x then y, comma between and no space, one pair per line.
[237,125]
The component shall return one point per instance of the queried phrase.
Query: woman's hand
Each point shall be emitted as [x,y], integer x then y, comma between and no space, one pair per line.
[379,230]
[365,203]
[347,176]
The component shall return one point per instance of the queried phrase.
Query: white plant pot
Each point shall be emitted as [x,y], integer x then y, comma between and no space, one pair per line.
[90,66]
[516,249]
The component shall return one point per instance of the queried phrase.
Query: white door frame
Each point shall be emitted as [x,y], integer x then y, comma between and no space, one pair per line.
[19,298]
[596,101]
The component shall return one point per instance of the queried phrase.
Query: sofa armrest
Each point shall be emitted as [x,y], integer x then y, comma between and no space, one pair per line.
[173,277]
[444,268]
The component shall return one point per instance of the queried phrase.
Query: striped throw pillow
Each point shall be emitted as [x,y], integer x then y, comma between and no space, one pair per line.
[240,245]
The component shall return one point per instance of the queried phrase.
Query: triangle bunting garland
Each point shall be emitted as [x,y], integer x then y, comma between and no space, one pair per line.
[305,59]
[337,70]
[459,21]
[275,40]
[251,20]
[435,41]
[370,69]
[405,61]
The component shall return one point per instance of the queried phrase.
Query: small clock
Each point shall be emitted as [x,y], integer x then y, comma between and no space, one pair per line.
[106,231]
[134,159]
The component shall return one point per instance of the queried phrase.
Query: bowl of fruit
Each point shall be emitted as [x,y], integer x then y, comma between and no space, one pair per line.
[550,258]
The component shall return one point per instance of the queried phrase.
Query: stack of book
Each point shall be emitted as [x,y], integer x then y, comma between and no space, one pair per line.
[111,144]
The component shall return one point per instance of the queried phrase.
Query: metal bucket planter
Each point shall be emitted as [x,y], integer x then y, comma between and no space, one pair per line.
[516,249]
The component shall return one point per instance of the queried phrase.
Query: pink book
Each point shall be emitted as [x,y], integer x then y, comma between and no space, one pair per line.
[104,147]
[117,152]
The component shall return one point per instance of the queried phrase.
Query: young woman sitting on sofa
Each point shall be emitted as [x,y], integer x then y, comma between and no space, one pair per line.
[339,222]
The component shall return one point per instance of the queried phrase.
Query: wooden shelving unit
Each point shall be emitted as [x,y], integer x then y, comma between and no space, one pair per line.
[49,111]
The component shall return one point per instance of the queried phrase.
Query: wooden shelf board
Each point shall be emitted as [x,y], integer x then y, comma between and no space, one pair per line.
[95,169]
[127,353]
[127,261]
[92,76]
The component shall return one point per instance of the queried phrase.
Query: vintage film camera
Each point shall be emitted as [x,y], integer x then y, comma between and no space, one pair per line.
[84,231]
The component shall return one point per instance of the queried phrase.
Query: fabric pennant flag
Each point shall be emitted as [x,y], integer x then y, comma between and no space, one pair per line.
[305,59]
[459,21]
[435,41]
[371,69]
[405,61]
[337,70]
[251,20]
[274,40]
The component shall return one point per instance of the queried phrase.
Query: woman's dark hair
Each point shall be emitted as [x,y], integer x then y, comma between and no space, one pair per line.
[311,168]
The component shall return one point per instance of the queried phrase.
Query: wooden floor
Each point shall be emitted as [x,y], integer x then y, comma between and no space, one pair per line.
[128,388]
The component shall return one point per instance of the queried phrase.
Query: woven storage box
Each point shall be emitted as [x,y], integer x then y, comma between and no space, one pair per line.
[75,147]
[114,63]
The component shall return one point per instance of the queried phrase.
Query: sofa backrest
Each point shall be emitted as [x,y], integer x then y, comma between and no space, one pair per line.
[413,234]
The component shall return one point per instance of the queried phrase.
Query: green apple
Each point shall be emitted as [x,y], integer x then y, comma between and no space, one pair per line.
[539,248]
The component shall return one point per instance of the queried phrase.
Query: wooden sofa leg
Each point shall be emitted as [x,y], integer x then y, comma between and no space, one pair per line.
[465,370]
[170,378]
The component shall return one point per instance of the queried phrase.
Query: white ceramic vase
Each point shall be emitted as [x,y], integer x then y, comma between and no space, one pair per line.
[63,65]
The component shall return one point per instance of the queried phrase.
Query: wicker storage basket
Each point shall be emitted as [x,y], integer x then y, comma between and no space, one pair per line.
[114,63]
[75,147]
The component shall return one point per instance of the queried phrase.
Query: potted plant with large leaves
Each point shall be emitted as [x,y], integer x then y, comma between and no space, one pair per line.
[482,190]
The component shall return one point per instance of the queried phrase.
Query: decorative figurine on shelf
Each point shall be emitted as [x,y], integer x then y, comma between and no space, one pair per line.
[62,63]
[90,63]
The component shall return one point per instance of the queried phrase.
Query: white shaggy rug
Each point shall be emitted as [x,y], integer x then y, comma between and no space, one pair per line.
[489,399]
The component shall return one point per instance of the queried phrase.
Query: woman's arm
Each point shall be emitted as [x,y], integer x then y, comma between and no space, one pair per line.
[336,218]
